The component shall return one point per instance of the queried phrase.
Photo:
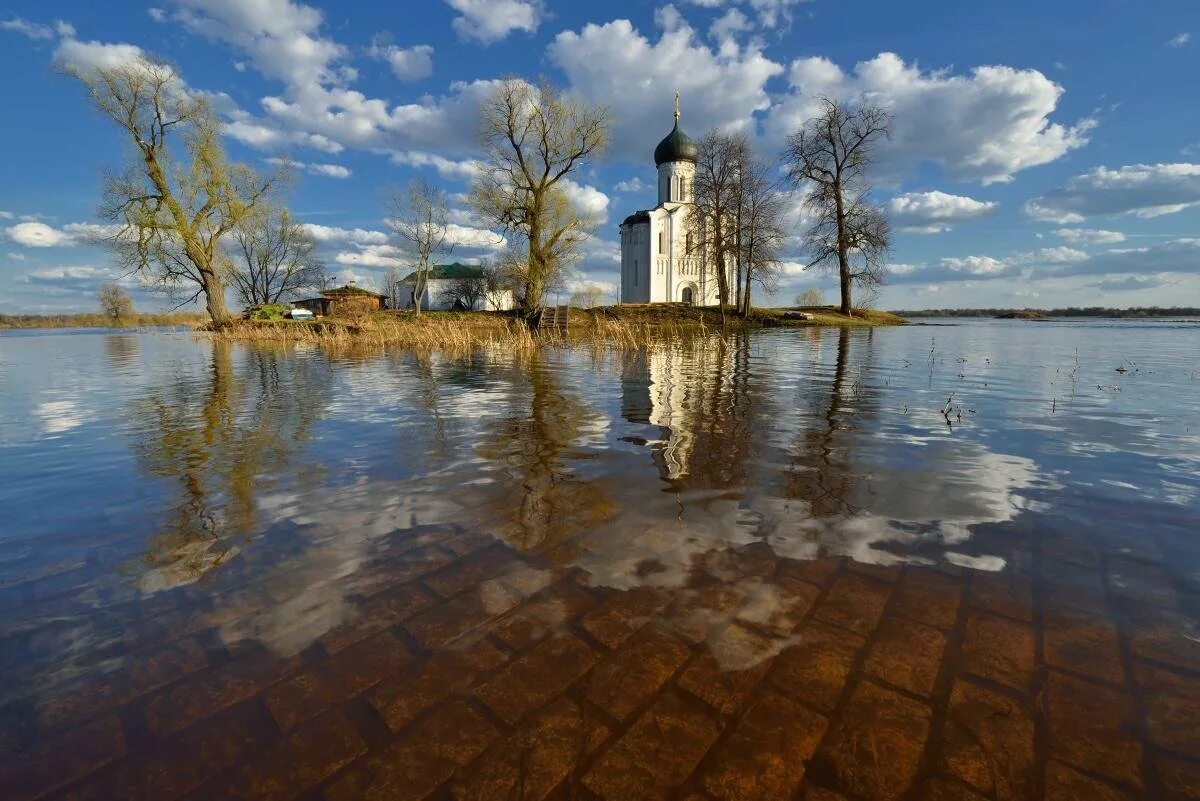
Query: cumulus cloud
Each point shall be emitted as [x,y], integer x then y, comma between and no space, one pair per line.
[1179,40]
[36,30]
[1143,190]
[490,21]
[589,202]
[312,168]
[463,169]
[1131,283]
[933,212]
[33,234]
[90,56]
[766,13]
[407,63]
[634,184]
[986,125]
[616,65]
[357,236]
[1090,236]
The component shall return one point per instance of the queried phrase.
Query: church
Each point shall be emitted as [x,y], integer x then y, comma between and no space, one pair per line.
[659,263]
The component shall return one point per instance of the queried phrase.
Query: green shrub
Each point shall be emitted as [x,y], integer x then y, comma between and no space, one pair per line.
[272,311]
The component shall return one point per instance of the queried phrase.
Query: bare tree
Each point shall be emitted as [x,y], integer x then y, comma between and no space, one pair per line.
[533,138]
[712,225]
[173,207]
[497,284]
[389,284]
[115,303]
[465,292]
[273,258]
[587,297]
[810,297]
[761,234]
[417,214]
[830,155]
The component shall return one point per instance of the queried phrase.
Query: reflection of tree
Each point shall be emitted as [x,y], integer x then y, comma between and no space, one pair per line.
[221,446]
[543,500]
[121,349]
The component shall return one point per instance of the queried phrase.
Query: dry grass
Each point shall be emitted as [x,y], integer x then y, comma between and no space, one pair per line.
[605,328]
[22,321]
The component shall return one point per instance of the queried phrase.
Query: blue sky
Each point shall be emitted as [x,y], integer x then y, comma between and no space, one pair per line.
[1044,153]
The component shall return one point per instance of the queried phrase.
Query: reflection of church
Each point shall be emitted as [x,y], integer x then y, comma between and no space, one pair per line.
[659,261]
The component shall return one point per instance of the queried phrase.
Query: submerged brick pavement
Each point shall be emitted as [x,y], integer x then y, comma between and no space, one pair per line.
[469,671]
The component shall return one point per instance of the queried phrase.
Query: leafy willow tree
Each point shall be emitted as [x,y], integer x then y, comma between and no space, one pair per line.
[810,297]
[273,258]
[173,204]
[115,302]
[533,138]
[418,215]
[830,155]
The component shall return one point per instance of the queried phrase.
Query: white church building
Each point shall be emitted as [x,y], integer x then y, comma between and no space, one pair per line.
[659,263]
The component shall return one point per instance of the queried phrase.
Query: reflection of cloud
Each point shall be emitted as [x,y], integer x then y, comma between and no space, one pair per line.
[59,415]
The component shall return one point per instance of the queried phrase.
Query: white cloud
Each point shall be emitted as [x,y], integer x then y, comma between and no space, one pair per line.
[589,202]
[1090,236]
[1144,190]
[6,215]
[1179,40]
[933,212]
[767,13]
[407,63]
[32,30]
[729,25]
[326,170]
[372,256]
[634,184]
[357,236]
[37,235]
[490,21]
[469,237]
[86,56]
[465,169]
[986,125]
[615,65]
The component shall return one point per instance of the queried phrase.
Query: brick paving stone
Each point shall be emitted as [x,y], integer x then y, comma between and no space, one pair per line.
[929,597]
[697,610]
[777,607]
[382,611]
[535,760]
[204,693]
[725,688]
[821,794]
[1093,727]
[466,542]
[939,789]
[999,649]
[876,744]
[465,573]
[336,679]
[470,611]
[626,679]
[1064,783]
[658,752]
[906,654]
[988,742]
[613,621]
[61,761]
[1071,586]
[413,767]
[1180,780]
[142,673]
[1007,593]
[737,564]
[854,603]
[402,699]
[816,668]
[1172,708]
[535,677]
[1069,548]
[1143,582]
[543,615]
[312,753]
[1083,643]
[765,756]
[1161,635]
[814,571]
[888,573]
[174,766]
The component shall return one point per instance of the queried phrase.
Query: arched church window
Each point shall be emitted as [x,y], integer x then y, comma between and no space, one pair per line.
[662,241]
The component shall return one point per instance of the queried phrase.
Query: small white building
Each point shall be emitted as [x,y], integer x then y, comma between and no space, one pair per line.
[440,286]
[659,261]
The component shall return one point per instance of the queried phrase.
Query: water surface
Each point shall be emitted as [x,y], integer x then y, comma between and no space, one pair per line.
[925,559]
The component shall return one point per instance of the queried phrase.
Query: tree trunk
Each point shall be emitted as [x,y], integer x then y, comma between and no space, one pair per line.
[214,298]
[842,249]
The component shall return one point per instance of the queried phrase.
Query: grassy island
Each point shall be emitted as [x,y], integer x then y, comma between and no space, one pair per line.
[618,327]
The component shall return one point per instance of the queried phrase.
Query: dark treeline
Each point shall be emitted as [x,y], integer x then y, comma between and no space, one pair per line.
[1072,311]
[96,320]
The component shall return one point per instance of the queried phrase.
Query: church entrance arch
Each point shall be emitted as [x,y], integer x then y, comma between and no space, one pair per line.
[688,296]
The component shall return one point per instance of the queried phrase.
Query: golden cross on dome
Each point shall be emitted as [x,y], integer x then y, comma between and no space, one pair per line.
[677,105]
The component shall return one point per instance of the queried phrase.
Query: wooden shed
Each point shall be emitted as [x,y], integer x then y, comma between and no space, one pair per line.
[345,301]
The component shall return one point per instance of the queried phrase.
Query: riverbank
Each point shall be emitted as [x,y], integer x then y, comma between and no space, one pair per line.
[620,327]
[24,321]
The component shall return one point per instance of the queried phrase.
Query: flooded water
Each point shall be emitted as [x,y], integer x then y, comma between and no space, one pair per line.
[940,561]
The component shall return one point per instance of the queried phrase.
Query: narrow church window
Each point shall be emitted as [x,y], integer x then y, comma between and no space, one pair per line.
[688,245]
[662,241]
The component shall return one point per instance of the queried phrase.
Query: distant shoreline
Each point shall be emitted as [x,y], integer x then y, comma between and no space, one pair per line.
[20,322]
[1133,313]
